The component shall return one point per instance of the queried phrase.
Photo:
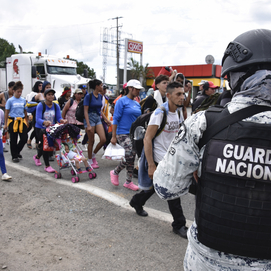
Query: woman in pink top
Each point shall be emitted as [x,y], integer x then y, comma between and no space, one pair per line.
[69,109]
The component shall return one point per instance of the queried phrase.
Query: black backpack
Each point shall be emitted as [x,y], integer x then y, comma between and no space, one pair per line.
[79,113]
[141,123]
[142,104]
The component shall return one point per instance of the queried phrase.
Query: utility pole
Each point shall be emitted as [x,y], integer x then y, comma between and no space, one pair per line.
[117,49]
[105,49]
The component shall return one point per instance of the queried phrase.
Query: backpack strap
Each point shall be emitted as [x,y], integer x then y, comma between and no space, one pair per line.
[6,95]
[163,123]
[90,97]
[71,102]
[228,119]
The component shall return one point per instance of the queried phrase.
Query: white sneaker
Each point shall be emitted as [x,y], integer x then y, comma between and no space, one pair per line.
[6,177]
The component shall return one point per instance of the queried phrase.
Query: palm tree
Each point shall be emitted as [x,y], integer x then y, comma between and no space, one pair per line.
[135,68]
[140,72]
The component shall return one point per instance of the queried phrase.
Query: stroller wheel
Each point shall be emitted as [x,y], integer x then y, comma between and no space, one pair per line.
[72,172]
[58,175]
[74,179]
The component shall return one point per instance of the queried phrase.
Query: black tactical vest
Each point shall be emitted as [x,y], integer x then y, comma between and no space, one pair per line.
[233,204]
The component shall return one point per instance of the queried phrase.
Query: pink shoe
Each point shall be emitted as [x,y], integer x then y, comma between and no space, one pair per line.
[37,161]
[94,163]
[114,178]
[49,169]
[131,186]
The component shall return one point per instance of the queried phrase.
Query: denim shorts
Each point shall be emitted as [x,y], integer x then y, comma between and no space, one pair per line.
[94,119]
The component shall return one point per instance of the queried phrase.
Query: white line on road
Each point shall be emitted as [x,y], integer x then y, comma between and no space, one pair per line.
[99,192]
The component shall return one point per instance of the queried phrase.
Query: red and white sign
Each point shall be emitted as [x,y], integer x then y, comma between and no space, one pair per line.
[16,70]
[135,46]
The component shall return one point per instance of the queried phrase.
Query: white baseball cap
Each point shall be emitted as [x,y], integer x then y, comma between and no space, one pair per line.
[134,83]
[202,82]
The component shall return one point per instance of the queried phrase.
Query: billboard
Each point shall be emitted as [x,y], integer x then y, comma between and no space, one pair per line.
[135,47]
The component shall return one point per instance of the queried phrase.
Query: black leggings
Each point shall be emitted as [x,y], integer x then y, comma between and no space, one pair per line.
[33,134]
[40,151]
[15,146]
[174,206]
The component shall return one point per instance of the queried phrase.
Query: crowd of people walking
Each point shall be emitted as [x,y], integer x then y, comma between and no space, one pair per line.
[222,151]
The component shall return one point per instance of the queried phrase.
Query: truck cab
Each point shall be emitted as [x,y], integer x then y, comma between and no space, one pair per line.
[29,68]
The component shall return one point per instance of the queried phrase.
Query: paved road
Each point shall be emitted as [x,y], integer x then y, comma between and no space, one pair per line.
[120,229]
[103,182]
[53,224]
[49,224]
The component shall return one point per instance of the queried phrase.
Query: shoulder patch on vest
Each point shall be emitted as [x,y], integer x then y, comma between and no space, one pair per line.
[180,135]
[172,150]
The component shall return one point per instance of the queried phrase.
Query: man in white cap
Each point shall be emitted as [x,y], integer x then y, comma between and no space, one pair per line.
[201,83]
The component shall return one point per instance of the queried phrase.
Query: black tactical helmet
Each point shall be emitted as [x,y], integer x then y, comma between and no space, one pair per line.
[248,49]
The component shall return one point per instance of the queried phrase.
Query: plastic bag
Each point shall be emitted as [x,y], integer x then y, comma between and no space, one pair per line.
[114,152]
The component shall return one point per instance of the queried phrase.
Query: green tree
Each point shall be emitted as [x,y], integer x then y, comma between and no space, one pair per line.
[135,68]
[140,72]
[81,66]
[6,50]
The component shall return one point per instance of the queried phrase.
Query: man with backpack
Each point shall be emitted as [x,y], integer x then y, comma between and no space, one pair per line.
[155,147]
[228,151]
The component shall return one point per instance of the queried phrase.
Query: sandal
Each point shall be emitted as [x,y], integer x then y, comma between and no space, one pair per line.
[29,145]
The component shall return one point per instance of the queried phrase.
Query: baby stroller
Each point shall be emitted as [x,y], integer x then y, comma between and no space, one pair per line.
[68,133]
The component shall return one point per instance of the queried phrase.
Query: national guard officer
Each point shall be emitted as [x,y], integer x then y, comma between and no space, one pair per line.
[228,150]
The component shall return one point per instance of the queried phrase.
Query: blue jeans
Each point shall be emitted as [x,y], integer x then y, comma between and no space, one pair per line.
[94,119]
[2,158]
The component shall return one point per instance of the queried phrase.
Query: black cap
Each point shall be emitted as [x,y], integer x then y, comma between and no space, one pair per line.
[49,90]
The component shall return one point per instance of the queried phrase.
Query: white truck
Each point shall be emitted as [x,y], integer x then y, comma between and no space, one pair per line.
[29,68]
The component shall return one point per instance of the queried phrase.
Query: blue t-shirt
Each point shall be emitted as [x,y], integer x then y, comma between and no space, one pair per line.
[126,112]
[96,103]
[16,107]
[49,114]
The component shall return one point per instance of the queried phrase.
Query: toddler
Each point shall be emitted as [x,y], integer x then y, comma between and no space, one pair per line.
[77,158]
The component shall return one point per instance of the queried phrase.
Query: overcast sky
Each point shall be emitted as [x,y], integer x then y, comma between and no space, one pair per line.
[173,32]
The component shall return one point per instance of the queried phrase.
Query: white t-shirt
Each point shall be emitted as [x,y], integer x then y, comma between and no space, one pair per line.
[163,140]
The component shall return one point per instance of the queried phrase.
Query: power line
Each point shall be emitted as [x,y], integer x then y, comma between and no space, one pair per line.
[28,27]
